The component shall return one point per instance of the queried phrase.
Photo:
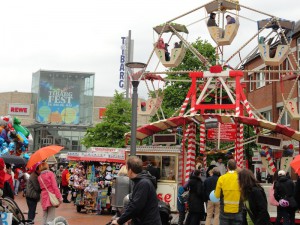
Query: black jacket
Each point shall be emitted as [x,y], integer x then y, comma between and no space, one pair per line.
[210,185]
[284,188]
[259,206]
[143,205]
[196,195]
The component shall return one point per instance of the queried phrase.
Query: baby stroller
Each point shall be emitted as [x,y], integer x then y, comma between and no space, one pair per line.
[10,206]
[165,213]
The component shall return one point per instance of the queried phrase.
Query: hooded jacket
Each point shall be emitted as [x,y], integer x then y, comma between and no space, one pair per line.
[143,205]
[2,173]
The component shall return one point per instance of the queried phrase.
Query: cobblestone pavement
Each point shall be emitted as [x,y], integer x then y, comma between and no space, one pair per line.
[67,210]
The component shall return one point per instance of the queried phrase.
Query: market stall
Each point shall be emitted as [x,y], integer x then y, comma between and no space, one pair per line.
[92,188]
[165,160]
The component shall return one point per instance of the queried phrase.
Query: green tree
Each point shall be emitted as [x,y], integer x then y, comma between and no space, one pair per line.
[175,92]
[110,132]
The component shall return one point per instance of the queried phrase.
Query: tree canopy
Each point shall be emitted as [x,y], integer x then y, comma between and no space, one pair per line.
[175,92]
[110,132]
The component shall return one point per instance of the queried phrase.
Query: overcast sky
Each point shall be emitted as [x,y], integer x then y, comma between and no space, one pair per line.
[85,36]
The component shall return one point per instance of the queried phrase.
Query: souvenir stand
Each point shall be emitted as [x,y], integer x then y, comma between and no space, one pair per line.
[101,166]
[165,159]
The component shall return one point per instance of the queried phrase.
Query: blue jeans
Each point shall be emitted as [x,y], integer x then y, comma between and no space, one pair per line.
[231,218]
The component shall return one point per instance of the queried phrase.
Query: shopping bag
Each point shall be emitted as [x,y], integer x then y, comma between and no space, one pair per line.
[5,218]
[185,196]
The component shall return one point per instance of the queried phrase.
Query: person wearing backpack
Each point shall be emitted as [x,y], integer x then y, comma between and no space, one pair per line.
[181,205]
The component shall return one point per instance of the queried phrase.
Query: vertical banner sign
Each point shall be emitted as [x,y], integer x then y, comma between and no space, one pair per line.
[122,63]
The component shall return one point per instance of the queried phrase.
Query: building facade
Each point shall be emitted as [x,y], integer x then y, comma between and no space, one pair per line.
[59,109]
[267,90]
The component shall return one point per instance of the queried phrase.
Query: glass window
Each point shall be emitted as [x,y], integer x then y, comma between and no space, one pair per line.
[267,115]
[261,80]
[285,119]
[166,165]
[251,83]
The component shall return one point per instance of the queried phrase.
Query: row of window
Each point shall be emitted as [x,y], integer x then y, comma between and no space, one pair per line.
[258,80]
[285,119]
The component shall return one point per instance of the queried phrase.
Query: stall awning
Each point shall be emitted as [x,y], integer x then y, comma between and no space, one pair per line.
[99,155]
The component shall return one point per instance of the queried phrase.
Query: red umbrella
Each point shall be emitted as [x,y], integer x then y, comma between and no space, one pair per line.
[295,164]
[42,154]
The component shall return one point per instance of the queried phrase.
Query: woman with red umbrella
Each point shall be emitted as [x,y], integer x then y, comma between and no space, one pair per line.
[47,183]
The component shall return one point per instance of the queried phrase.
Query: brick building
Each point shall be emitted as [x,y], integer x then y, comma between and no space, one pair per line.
[266,91]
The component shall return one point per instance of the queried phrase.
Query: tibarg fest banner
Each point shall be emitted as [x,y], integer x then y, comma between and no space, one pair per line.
[58,103]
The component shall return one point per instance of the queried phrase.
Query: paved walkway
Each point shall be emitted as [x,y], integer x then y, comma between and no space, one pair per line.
[67,210]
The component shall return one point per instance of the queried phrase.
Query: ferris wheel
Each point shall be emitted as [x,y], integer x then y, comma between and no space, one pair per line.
[269,42]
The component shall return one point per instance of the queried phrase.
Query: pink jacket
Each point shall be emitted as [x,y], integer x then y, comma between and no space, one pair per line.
[50,182]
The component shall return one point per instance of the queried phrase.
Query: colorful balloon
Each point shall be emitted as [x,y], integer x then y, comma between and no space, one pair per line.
[212,197]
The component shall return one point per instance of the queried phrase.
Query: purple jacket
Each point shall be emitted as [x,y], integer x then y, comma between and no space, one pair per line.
[50,182]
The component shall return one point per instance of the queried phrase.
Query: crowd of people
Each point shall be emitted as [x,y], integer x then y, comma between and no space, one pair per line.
[228,195]
[41,180]
[236,197]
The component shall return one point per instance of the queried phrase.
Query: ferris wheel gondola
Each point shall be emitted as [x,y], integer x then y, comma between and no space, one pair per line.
[151,106]
[275,56]
[223,36]
[177,53]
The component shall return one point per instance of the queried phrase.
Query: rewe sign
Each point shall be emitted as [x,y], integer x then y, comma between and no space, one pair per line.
[18,109]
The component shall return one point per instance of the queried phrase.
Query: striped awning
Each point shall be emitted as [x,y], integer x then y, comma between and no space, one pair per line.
[179,121]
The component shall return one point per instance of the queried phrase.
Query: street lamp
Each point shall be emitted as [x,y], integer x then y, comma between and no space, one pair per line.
[137,68]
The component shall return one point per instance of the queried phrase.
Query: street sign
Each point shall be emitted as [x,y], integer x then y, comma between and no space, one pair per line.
[227,132]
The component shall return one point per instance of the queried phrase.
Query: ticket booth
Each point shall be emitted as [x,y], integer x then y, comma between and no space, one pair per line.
[165,160]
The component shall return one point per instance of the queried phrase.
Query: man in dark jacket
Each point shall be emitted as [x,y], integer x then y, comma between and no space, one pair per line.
[284,189]
[196,200]
[142,208]
[212,20]
[213,208]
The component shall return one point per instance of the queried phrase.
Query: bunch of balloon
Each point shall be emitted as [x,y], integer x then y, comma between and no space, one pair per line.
[14,138]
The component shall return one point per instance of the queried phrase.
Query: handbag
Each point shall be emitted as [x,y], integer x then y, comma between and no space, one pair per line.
[185,196]
[54,201]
